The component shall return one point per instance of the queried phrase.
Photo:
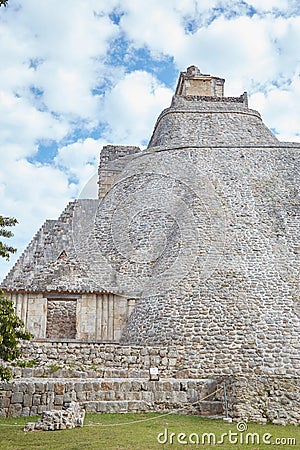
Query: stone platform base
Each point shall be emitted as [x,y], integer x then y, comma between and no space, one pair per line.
[260,399]
[28,397]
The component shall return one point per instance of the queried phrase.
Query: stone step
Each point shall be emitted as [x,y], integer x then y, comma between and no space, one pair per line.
[211,409]
[207,409]
[124,406]
[53,371]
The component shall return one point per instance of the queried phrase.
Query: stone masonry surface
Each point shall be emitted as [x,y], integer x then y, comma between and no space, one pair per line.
[115,378]
[248,311]
[210,123]
[33,396]
[253,398]
[61,319]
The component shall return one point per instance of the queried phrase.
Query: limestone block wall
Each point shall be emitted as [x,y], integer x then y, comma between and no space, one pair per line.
[113,159]
[246,313]
[61,319]
[258,399]
[264,398]
[115,378]
[32,309]
[95,359]
[30,397]
[234,125]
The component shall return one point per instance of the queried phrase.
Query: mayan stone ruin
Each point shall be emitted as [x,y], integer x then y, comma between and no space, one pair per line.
[188,261]
[69,417]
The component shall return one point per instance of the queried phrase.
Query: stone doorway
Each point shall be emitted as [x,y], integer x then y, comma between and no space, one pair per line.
[61,319]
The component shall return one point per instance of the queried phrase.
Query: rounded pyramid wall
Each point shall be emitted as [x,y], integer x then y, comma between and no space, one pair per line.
[220,277]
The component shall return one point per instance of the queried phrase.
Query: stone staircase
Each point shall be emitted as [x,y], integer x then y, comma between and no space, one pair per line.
[136,395]
[106,378]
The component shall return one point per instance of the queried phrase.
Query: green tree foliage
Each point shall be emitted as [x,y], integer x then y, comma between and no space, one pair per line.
[12,329]
[3,2]
[5,249]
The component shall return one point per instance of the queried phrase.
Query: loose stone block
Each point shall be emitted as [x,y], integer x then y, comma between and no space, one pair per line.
[70,417]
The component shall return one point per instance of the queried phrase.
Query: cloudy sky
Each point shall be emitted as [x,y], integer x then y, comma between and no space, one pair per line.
[79,74]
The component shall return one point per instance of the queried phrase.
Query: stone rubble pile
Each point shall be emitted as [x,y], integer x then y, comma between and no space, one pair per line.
[70,417]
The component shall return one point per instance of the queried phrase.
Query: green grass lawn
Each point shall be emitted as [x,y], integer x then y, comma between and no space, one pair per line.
[140,432]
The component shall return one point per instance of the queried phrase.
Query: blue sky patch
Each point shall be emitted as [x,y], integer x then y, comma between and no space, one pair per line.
[34,63]
[47,150]
[37,92]
[117,51]
[116,16]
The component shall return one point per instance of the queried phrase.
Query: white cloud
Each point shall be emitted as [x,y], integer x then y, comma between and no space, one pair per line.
[133,105]
[80,159]
[274,5]
[31,193]
[217,46]
[280,109]
[57,47]
[23,124]
[55,55]
[155,24]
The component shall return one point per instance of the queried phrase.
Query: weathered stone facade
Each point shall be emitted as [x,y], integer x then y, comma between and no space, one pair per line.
[260,399]
[97,316]
[264,399]
[193,243]
[115,378]
[34,396]
[61,320]
[210,123]
[193,82]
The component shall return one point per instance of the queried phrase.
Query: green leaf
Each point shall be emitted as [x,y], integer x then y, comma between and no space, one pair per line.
[12,330]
